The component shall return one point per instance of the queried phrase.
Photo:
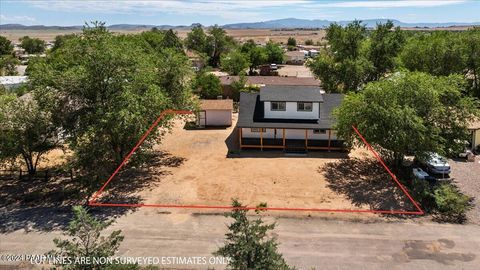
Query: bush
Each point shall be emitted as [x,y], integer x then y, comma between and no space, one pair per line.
[308,42]
[451,204]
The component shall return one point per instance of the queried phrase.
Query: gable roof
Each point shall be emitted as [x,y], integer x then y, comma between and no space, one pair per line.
[291,93]
[216,104]
[251,114]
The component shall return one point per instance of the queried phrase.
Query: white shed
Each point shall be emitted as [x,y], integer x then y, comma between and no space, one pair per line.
[215,112]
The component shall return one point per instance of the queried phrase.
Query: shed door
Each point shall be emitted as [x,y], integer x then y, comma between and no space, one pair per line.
[201,119]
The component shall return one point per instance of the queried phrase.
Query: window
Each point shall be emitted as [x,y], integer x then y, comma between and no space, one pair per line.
[304,106]
[319,131]
[258,130]
[278,106]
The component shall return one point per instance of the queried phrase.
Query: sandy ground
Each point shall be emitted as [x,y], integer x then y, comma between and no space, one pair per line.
[294,71]
[209,177]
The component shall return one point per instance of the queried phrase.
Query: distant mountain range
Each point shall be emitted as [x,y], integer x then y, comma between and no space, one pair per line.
[272,24]
[302,23]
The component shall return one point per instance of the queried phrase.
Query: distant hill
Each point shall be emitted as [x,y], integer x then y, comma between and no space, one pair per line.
[302,23]
[272,24]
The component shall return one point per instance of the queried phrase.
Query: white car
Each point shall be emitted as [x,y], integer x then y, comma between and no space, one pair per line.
[273,66]
[437,164]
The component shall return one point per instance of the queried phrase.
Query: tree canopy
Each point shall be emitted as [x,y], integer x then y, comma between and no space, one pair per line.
[32,45]
[6,46]
[248,245]
[108,90]
[353,59]
[408,114]
[235,62]
[207,85]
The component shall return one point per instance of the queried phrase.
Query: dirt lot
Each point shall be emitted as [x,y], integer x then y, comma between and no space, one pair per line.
[294,71]
[467,177]
[210,176]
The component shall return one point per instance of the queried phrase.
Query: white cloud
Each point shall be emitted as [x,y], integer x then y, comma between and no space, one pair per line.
[16,19]
[245,10]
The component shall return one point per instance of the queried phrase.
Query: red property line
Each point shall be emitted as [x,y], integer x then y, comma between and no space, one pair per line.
[93,202]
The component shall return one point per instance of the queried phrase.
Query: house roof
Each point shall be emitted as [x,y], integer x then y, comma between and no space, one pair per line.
[474,124]
[295,53]
[272,80]
[251,114]
[216,104]
[6,80]
[291,93]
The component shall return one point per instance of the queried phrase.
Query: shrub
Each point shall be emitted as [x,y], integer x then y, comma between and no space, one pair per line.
[452,205]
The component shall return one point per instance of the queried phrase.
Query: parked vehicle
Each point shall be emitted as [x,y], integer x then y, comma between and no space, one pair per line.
[436,164]
[422,175]
[273,67]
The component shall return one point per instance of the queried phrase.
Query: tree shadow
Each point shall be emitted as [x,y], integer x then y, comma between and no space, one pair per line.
[365,182]
[46,205]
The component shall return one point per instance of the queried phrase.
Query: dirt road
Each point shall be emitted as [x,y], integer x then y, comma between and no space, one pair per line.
[305,242]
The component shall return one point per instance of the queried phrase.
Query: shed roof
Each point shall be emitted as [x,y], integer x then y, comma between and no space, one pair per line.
[474,124]
[216,104]
[291,93]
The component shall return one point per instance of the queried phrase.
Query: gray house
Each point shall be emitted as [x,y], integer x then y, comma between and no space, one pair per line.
[288,117]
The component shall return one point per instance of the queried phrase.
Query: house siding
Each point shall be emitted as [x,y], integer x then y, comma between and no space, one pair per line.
[291,111]
[218,118]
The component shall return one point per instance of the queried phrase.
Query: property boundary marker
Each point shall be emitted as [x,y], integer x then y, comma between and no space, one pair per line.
[93,200]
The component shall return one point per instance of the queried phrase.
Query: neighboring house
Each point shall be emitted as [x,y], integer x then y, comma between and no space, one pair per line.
[296,57]
[297,118]
[13,82]
[215,113]
[228,91]
[195,59]
[474,129]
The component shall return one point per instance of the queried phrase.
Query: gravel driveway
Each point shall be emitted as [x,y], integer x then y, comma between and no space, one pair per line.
[467,177]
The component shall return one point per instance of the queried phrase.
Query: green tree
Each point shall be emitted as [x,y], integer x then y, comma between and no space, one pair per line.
[451,203]
[8,65]
[256,55]
[439,53]
[32,45]
[343,67]
[471,43]
[109,90]
[171,40]
[152,40]
[6,46]
[196,39]
[291,42]
[26,130]
[60,40]
[234,62]
[386,41]
[411,113]
[309,42]
[218,43]
[275,53]
[207,85]
[85,240]
[247,244]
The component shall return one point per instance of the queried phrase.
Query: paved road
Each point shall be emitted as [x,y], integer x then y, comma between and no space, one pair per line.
[305,242]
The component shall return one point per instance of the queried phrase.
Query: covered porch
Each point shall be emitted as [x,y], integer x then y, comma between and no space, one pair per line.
[283,142]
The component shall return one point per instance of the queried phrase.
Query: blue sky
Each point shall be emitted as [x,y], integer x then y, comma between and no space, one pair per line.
[208,12]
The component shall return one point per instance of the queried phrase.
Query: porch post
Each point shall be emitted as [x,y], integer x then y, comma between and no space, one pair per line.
[261,139]
[240,137]
[306,138]
[329,136]
[283,136]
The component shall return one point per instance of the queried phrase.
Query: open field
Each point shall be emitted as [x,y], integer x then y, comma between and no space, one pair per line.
[259,35]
